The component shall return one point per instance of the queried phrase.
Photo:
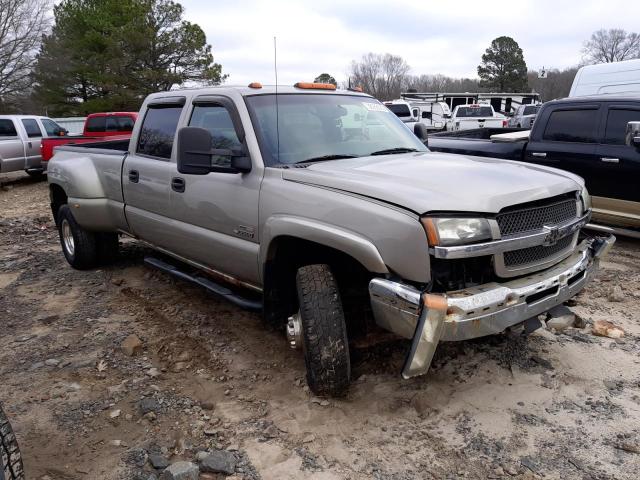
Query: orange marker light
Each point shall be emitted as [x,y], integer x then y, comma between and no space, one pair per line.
[356,89]
[255,85]
[432,232]
[315,86]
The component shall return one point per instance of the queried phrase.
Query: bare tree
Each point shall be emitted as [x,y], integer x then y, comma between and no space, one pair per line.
[383,76]
[556,85]
[614,45]
[22,24]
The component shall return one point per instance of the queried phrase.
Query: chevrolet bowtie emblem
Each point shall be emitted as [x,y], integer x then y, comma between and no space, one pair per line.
[552,237]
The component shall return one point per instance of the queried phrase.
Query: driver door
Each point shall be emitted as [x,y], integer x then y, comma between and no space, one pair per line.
[214,217]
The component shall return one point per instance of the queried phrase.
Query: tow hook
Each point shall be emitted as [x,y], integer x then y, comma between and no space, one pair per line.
[294,331]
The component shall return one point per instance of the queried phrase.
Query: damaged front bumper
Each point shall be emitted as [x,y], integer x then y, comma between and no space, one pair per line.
[478,311]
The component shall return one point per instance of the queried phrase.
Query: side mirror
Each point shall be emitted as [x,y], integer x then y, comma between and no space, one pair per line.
[632,135]
[195,154]
[421,132]
[60,132]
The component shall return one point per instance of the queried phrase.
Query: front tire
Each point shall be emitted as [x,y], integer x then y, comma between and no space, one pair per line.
[324,331]
[10,458]
[78,245]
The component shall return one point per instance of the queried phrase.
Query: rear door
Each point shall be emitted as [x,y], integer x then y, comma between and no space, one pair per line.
[32,143]
[11,147]
[617,186]
[568,141]
[147,171]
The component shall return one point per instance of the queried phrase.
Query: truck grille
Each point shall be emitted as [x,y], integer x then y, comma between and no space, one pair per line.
[535,217]
[539,253]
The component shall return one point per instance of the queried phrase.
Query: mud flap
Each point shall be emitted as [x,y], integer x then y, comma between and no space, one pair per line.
[425,340]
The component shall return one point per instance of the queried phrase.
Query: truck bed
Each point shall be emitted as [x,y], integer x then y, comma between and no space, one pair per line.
[116,147]
[50,143]
[478,142]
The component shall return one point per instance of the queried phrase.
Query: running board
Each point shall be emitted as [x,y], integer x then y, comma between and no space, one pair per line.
[206,283]
[624,232]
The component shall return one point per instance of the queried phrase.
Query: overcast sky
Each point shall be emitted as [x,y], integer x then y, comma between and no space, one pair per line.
[445,37]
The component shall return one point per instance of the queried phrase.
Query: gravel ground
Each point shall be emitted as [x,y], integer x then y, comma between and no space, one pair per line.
[208,377]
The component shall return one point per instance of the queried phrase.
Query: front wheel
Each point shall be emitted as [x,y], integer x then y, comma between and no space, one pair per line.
[10,458]
[324,331]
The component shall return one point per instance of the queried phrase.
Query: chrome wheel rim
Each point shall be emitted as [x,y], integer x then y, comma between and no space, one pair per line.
[294,331]
[67,237]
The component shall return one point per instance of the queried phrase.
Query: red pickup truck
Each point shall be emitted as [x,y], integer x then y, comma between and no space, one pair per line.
[115,125]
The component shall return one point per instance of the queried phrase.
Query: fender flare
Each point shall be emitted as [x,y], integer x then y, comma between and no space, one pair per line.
[348,242]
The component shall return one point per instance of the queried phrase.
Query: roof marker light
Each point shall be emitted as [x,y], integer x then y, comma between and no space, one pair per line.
[255,85]
[315,86]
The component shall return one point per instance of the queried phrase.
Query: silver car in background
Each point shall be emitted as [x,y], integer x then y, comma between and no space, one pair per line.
[524,116]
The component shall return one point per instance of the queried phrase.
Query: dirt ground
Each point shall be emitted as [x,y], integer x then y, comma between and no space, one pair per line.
[211,377]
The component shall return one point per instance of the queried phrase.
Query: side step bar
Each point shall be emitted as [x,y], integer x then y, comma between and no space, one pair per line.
[206,283]
[624,232]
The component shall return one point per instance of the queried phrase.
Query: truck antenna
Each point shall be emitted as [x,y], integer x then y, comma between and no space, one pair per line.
[275,67]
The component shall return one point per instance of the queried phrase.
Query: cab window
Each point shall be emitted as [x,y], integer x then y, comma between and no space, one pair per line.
[617,120]
[96,124]
[217,120]
[7,129]
[51,127]
[119,124]
[31,127]
[158,130]
[577,125]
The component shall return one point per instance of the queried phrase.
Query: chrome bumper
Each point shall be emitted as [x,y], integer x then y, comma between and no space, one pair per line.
[478,311]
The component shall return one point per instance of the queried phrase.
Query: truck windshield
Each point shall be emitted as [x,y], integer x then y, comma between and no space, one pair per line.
[465,112]
[316,125]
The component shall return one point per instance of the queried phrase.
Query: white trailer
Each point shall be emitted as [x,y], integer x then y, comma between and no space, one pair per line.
[501,102]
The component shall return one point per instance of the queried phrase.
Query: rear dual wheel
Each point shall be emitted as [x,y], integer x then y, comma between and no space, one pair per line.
[84,249]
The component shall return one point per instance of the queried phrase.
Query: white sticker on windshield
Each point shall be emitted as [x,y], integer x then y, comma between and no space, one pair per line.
[375,107]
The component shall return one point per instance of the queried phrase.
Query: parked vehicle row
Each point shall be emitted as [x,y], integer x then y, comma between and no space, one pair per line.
[20,138]
[595,137]
[323,210]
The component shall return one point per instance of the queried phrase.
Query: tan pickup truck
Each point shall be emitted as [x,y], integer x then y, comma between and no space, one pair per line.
[324,211]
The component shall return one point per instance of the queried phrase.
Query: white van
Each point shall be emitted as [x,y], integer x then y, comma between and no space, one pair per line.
[617,78]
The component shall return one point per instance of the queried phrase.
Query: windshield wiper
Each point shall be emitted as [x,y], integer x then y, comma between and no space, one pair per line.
[322,158]
[391,151]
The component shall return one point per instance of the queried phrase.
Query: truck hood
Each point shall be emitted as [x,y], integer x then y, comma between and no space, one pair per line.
[427,181]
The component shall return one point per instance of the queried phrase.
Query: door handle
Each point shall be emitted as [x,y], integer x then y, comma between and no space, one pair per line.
[610,160]
[134,176]
[178,184]
[539,154]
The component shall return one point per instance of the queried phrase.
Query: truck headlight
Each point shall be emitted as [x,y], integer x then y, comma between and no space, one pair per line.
[586,200]
[446,231]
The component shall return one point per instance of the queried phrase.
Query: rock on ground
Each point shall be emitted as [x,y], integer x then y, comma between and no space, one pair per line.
[604,328]
[219,462]
[132,345]
[181,471]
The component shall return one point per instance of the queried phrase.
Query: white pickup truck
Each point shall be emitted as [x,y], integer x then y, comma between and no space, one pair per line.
[466,117]
[20,137]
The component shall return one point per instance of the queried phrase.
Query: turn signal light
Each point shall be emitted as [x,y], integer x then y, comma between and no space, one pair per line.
[435,302]
[255,85]
[315,86]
